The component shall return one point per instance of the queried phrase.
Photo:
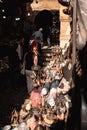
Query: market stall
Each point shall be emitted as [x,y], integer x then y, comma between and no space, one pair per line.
[49,102]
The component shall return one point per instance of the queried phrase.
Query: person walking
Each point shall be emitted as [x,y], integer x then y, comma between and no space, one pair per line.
[19,47]
[39,34]
[28,71]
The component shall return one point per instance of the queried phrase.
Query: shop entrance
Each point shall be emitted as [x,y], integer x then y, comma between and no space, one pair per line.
[49,21]
[44,19]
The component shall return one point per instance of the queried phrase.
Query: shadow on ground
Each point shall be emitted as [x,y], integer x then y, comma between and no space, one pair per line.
[11,95]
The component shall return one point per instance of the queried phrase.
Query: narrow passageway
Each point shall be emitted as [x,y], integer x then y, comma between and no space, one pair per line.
[15,95]
[53,104]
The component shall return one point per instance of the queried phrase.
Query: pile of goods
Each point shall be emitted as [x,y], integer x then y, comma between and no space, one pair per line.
[49,102]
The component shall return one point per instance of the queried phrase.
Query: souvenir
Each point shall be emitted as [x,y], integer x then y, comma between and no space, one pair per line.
[32,123]
[39,127]
[50,100]
[64,86]
[22,126]
[53,92]
[48,121]
[61,116]
[28,107]
[44,91]
[7,127]
[57,76]
[35,99]
[22,114]
[14,118]
[35,112]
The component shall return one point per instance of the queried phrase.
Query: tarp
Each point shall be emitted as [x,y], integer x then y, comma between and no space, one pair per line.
[81,23]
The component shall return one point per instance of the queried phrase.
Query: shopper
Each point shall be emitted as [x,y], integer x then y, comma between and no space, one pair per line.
[39,34]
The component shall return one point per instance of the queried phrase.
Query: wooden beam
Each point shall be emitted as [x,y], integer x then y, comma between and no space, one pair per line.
[74,26]
[74,32]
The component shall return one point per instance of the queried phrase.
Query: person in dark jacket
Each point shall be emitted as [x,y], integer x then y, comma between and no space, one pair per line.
[28,71]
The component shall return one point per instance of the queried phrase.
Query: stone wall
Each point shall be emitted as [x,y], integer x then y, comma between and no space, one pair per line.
[65,27]
[64,19]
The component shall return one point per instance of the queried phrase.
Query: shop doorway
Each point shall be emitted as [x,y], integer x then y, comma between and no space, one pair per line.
[44,19]
[49,21]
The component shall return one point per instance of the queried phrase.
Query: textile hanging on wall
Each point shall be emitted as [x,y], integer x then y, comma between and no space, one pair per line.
[81,24]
